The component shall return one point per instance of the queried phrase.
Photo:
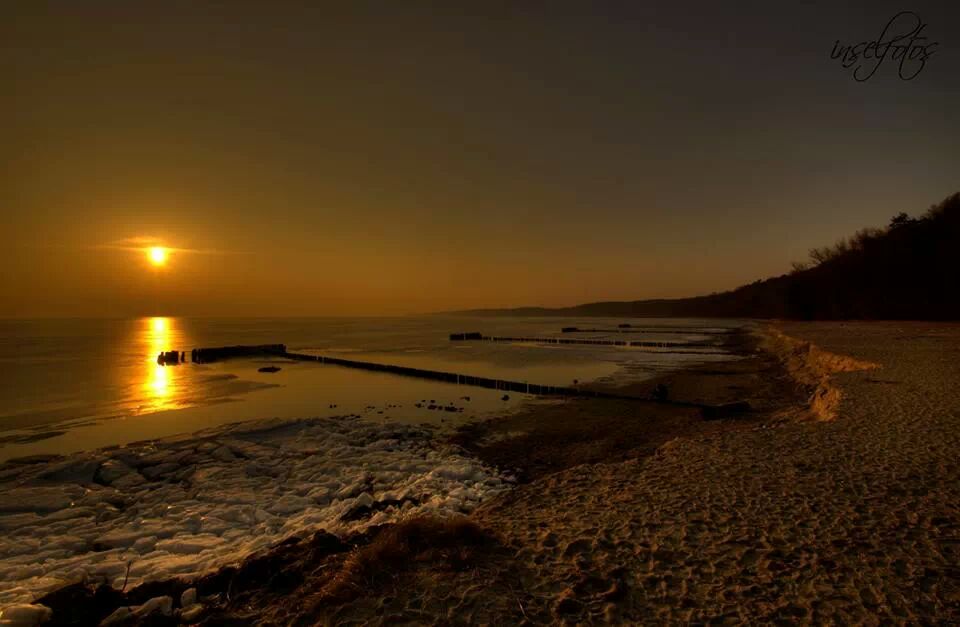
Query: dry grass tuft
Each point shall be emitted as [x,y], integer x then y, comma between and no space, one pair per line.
[452,543]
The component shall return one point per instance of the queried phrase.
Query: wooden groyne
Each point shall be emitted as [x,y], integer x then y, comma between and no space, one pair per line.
[279,350]
[207,355]
[171,358]
[459,379]
[458,337]
[648,330]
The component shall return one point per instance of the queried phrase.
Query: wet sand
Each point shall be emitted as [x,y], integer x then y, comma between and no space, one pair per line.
[837,500]
[541,440]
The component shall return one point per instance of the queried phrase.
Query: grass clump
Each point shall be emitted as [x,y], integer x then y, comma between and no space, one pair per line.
[451,543]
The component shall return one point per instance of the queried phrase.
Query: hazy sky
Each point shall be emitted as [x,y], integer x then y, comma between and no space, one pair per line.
[413,157]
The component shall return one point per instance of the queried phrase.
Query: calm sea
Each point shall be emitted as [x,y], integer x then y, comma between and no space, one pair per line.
[72,385]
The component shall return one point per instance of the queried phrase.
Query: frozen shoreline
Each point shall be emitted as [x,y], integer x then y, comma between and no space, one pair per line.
[185,505]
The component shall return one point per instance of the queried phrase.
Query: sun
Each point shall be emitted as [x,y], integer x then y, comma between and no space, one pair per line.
[157,255]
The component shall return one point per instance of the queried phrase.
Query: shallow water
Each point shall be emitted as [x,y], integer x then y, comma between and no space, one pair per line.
[74,385]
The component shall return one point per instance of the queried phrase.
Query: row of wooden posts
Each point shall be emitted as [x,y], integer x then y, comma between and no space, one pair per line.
[205,355]
[459,379]
[459,337]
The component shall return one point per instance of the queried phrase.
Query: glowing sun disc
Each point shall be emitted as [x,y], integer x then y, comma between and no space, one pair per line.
[157,255]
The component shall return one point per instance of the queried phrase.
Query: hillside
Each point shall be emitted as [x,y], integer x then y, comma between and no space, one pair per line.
[908,270]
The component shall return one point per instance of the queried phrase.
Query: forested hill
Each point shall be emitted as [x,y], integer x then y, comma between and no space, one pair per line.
[907,270]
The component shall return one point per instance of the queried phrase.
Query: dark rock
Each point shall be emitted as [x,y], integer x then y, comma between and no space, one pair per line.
[269,369]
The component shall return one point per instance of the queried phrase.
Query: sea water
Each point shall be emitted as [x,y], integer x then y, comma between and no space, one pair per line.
[78,384]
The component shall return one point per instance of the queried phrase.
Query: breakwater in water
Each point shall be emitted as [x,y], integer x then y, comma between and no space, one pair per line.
[461,337]
[658,330]
[460,379]
[208,355]
[660,394]
[279,350]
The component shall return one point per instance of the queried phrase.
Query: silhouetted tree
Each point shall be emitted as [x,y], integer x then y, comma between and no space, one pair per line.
[901,219]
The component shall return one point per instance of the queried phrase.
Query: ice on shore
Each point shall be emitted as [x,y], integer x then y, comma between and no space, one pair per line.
[187,505]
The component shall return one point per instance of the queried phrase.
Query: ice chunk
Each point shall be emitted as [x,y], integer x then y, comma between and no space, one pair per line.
[18,521]
[289,503]
[71,471]
[163,604]
[190,544]
[119,537]
[153,472]
[25,615]
[111,470]
[191,613]
[143,545]
[189,597]
[36,500]
[224,454]
[128,481]
[118,617]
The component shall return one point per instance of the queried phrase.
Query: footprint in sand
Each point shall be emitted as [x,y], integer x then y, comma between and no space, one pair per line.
[576,547]
[548,540]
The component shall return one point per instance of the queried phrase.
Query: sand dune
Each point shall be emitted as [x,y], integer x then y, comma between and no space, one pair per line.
[813,368]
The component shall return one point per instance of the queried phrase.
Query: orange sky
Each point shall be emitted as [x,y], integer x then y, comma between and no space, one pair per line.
[318,163]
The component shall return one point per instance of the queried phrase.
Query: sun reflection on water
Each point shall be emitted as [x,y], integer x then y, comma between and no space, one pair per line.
[159,386]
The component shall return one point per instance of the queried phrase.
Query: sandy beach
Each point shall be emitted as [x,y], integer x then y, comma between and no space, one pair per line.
[788,518]
[852,520]
[833,501]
